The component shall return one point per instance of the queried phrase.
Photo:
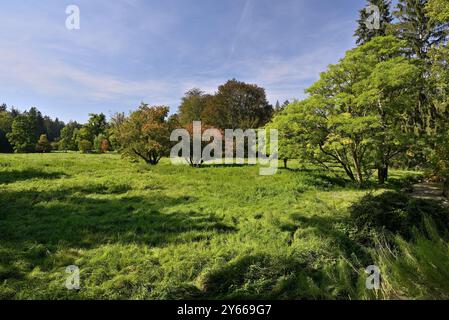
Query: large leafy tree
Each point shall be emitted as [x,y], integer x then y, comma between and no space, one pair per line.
[68,136]
[289,123]
[238,105]
[363,32]
[145,134]
[22,136]
[43,144]
[96,124]
[192,106]
[355,113]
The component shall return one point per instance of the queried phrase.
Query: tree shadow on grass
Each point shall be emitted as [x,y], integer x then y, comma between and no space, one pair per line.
[62,218]
[22,175]
[337,230]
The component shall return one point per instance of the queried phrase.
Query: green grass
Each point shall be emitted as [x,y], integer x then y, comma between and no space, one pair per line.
[172,232]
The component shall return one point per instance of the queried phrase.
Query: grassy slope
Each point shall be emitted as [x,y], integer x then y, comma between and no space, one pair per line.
[170,231]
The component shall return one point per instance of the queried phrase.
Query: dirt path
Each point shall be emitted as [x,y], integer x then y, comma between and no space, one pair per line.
[430,191]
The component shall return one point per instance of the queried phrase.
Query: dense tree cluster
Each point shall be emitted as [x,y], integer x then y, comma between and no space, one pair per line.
[385,103]
[21,131]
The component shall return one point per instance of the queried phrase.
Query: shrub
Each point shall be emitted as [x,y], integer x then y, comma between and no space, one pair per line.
[396,213]
[85,146]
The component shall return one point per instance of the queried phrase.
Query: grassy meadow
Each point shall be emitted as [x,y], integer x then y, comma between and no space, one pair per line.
[176,232]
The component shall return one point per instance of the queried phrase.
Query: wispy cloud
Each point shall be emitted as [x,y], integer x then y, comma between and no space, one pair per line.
[136,50]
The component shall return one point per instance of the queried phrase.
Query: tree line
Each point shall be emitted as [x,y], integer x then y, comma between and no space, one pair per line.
[145,132]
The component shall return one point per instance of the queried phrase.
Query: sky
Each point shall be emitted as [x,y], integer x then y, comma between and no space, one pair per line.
[129,51]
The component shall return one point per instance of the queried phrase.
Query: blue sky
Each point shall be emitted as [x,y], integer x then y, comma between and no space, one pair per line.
[128,51]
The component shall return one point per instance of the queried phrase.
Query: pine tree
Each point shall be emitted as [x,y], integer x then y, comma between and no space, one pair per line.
[417,28]
[365,34]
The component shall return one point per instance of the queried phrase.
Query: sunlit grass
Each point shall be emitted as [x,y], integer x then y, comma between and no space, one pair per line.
[139,232]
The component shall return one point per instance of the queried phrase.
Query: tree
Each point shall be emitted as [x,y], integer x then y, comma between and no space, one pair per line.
[84,134]
[22,135]
[85,146]
[104,146]
[43,145]
[238,105]
[421,33]
[5,128]
[36,116]
[192,106]
[96,124]
[145,134]
[53,128]
[68,136]
[353,115]
[365,34]
[438,11]
[288,124]
[101,143]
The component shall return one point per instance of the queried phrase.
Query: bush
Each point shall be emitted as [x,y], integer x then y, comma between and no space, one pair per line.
[396,213]
[85,146]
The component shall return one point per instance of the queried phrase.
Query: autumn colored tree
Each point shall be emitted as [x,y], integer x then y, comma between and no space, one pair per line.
[145,134]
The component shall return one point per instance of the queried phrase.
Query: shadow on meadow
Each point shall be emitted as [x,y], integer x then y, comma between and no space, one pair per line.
[22,175]
[71,218]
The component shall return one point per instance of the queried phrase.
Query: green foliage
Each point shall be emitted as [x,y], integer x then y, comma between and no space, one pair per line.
[355,113]
[68,137]
[237,105]
[5,127]
[96,124]
[101,144]
[192,106]
[365,34]
[85,146]
[417,269]
[22,135]
[289,123]
[438,10]
[43,145]
[396,213]
[145,134]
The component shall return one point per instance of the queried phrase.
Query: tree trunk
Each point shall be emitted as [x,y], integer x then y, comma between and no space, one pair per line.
[382,173]
[446,188]
[285,163]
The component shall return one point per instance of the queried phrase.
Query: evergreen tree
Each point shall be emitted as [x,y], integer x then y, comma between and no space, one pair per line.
[363,32]
[421,33]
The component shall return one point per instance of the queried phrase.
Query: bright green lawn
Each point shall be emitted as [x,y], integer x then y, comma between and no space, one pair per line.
[139,232]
